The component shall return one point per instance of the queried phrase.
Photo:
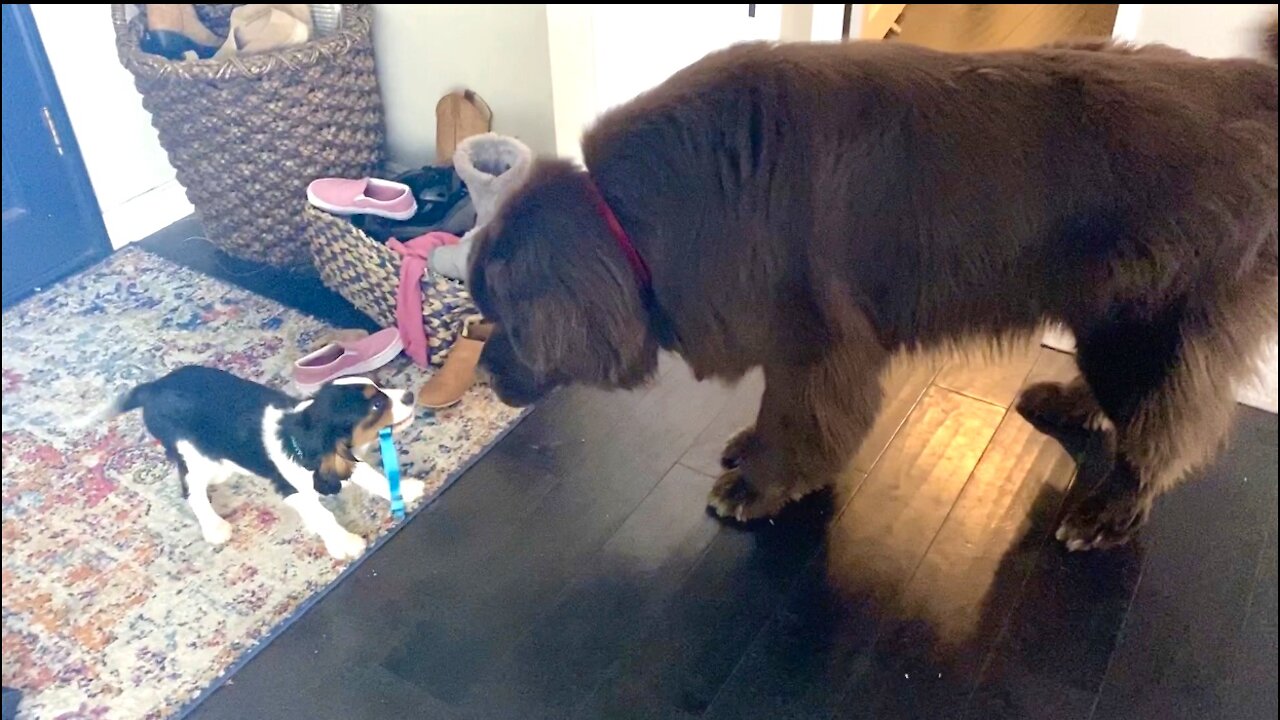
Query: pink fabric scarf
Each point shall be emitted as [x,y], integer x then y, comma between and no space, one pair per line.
[409,295]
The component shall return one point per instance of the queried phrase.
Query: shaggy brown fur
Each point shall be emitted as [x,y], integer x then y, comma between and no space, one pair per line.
[812,209]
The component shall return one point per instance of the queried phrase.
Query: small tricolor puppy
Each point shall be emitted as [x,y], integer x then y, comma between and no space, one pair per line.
[213,425]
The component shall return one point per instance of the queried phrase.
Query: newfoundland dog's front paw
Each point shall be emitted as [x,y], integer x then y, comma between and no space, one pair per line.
[734,497]
[738,447]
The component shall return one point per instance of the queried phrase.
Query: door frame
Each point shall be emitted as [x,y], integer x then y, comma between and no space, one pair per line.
[83,201]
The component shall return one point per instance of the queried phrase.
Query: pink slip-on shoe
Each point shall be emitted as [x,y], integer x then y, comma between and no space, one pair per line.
[370,196]
[346,358]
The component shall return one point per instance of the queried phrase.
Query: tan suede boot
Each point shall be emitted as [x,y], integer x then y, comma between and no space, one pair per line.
[459,115]
[451,382]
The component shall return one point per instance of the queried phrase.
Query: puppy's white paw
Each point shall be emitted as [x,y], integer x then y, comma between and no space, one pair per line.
[216,532]
[412,491]
[344,545]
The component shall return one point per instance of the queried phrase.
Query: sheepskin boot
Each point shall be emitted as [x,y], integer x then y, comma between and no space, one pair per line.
[492,166]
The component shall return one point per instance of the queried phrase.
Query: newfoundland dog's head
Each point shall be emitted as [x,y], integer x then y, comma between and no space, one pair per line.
[565,302]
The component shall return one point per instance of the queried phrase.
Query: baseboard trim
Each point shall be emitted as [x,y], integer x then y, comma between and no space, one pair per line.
[144,215]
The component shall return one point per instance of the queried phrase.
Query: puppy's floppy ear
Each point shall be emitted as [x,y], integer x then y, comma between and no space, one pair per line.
[335,467]
[550,272]
[321,434]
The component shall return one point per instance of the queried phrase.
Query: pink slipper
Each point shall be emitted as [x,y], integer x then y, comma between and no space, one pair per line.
[370,196]
[346,358]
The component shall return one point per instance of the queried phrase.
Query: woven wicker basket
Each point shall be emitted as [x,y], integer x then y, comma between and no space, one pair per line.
[367,274]
[246,134]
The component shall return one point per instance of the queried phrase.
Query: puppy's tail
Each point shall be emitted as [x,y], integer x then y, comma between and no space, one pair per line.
[127,402]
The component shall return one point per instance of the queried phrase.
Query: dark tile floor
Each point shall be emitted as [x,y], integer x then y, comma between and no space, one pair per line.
[572,572]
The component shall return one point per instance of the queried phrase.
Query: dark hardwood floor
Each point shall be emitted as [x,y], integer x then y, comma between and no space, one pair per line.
[573,572]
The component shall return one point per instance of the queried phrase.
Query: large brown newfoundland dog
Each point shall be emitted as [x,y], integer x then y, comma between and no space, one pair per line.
[812,209]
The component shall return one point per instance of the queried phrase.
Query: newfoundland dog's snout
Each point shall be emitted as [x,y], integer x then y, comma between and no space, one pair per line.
[512,380]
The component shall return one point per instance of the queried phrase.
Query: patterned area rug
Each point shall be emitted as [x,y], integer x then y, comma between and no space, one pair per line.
[114,606]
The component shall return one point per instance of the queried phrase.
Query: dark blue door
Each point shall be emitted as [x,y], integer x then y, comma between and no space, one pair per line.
[52,225]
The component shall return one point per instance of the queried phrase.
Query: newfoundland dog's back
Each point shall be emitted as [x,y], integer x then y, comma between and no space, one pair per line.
[953,195]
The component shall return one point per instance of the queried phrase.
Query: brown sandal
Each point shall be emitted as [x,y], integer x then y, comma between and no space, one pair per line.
[451,382]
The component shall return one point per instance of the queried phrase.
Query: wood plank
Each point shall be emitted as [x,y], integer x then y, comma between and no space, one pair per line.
[904,382]
[359,691]
[1251,692]
[1049,660]
[1204,542]
[929,655]
[799,665]
[605,476]
[995,378]
[736,587]
[608,607]
[739,413]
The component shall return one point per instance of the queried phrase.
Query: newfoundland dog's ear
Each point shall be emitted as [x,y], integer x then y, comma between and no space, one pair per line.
[549,272]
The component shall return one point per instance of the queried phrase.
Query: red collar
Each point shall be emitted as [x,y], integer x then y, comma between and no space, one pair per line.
[638,266]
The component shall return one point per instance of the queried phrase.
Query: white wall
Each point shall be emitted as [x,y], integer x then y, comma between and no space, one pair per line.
[818,23]
[130,172]
[639,46]
[427,51]
[1228,30]
[828,22]
[1212,31]
[573,74]
[604,55]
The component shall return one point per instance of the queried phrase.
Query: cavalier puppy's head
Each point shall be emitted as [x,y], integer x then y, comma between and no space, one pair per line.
[342,418]
[564,301]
